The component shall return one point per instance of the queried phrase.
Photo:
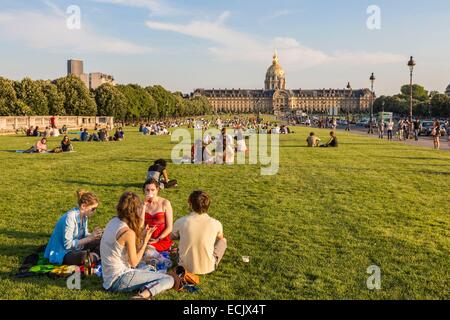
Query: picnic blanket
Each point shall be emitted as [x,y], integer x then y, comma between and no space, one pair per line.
[36,265]
[46,152]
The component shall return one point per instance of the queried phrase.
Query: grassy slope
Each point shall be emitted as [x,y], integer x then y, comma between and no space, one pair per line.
[311,231]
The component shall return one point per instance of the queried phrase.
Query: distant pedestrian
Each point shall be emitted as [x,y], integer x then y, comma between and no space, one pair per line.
[416,127]
[381,130]
[400,130]
[390,128]
[436,133]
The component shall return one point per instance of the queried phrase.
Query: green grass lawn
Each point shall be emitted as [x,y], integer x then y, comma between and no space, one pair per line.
[311,231]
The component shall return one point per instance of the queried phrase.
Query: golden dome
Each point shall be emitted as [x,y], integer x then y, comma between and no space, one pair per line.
[275,70]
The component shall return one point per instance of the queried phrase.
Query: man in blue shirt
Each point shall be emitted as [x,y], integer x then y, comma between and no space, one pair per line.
[84,136]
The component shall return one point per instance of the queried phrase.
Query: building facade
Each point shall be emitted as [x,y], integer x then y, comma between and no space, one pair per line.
[276,99]
[91,80]
[96,79]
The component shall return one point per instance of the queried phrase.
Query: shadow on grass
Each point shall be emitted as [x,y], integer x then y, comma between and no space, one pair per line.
[23,234]
[111,185]
[414,158]
[91,284]
[435,172]
[362,144]
[21,251]
[135,160]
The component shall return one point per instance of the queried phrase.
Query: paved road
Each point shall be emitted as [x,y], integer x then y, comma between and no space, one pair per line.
[423,140]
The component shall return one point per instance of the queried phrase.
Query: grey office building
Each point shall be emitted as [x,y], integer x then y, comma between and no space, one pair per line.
[75,67]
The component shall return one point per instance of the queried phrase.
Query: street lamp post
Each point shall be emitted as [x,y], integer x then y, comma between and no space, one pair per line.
[411,65]
[349,88]
[372,80]
[429,105]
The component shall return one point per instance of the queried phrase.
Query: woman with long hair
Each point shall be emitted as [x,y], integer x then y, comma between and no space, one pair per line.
[122,247]
[66,145]
[71,241]
[158,214]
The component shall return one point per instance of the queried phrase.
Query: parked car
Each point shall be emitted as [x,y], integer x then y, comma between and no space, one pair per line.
[443,130]
[363,123]
[426,128]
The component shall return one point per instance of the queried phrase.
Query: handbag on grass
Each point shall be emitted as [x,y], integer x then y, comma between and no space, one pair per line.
[183,277]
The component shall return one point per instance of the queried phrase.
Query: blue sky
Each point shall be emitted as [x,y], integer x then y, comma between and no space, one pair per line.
[187,44]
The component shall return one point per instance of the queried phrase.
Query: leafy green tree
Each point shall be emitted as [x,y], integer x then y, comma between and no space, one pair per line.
[418,92]
[8,97]
[78,100]
[165,100]
[22,109]
[139,104]
[396,104]
[110,101]
[55,99]
[440,105]
[181,105]
[30,92]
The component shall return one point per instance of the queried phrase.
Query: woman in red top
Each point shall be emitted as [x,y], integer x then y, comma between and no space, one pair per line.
[158,213]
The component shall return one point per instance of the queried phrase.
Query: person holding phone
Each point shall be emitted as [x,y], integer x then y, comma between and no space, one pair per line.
[122,247]
[71,241]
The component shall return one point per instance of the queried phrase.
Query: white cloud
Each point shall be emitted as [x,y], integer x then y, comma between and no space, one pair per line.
[232,45]
[55,9]
[281,13]
[49,31]
[156,7]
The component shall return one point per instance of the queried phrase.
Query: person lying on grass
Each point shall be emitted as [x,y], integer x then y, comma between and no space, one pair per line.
[71,241]
[158,172]
[202,244]
[158,214]
[122,248]
[39,147]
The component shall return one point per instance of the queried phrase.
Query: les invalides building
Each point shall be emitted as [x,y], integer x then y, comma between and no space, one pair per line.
[276,99]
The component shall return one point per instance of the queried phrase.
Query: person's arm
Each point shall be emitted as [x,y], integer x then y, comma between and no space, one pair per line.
[169,221]
[70,242]
[165,175]
[220,235]
[175,235]
[129,239]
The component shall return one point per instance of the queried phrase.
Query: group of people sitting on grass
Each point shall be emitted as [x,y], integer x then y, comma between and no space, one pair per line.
[48,132]
[101,136]
[42,147]
[314,141]
[224,144]
[154,129]
[139,228]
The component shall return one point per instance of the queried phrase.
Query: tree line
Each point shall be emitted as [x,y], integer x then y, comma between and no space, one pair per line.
[425,104]
[70,96]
